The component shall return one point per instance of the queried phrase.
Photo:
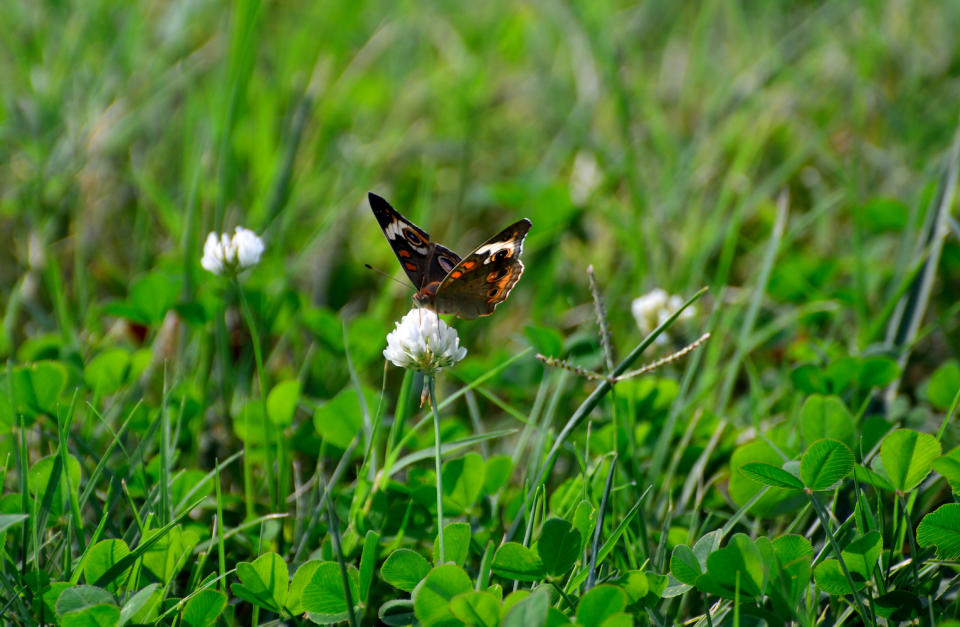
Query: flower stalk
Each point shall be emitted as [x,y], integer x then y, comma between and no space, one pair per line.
[261,378]
[430,381]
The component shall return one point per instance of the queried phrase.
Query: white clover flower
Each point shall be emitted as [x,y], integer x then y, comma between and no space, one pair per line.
[231,254]
[653,308]
[424,342]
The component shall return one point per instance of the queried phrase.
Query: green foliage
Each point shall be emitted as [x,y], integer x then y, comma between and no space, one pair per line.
[742,565]
[282,402]
[9,520]
[831,579]
[102,558]
[826,417]
[203,609]
[456,543]
[948,465]
[476,608]
[770,475]
[558,546]
[301,578]
[523,608]
[34,390]
[341,418]
[324,597]
[180,448]
[432,597]
[81,598]
[496,474]
[140,605]
[944,385]
[908,457]
[264,582]
[941,528]
[404,569]
[599,604]
[515,561]
[166,555]
[148,300]
[743,486]
[463,480]
[825,463]
[107,372]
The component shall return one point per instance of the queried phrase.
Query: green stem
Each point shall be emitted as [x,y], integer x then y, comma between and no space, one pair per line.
[430,380]
[267,431]
[165,507]
[913,552]
[825,522]
[334,527]
[223,355]
[219,523]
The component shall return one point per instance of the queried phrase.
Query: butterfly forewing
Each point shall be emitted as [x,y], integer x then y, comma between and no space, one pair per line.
[421,259]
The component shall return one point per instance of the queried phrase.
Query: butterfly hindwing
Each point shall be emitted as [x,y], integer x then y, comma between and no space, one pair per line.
[483,279]
[443,261]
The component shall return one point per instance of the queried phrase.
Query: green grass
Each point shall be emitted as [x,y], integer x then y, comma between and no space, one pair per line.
[179,448]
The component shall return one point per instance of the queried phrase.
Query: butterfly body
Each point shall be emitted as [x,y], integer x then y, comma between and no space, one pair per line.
[468,287]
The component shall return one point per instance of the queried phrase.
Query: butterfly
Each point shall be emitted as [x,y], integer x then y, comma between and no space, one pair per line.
[445,283]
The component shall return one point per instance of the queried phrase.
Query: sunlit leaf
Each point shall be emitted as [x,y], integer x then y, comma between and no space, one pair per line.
[941,528]
[908,457]
[431,598]
[515,561]
[825,463]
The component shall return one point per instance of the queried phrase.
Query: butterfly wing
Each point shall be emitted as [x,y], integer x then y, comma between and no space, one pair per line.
[484,278]
[443,261]
[422,260]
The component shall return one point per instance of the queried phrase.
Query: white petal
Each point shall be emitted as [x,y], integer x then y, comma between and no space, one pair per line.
[212,260]
[248,247]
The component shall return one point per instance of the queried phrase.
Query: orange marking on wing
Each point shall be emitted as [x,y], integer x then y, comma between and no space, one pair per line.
[412,267]
[499,293]
[469,264]
[403,253]
[456,274]
[496,275]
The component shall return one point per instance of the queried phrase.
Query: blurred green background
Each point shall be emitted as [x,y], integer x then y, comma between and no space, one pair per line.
[787,155]
[649,139]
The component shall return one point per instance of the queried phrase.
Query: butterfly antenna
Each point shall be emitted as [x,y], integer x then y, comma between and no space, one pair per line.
[381,272]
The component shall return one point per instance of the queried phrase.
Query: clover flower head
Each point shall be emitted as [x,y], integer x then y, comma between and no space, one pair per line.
[422,341]
[223,253]
[654,307]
